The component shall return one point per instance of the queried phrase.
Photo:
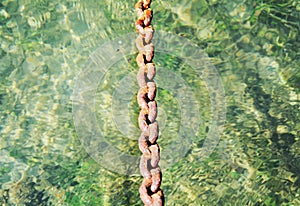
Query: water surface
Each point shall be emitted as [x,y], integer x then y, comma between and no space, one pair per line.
[254,46]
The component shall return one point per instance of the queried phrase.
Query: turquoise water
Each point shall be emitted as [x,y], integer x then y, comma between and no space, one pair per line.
[47,47]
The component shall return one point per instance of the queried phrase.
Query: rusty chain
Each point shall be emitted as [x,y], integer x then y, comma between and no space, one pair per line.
[150,191]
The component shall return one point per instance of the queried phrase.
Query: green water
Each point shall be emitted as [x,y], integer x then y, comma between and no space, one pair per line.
[254,48]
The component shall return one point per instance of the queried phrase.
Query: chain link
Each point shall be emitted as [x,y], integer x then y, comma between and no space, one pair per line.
[150,191]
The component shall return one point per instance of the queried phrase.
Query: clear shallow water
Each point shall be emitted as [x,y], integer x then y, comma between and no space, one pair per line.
[253,45]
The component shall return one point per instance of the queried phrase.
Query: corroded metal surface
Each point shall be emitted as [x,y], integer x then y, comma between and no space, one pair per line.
[150,191]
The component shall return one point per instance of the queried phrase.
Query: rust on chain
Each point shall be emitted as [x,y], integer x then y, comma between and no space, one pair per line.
[150,191]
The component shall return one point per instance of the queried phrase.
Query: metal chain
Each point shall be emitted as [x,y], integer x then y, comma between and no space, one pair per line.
[150,191]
